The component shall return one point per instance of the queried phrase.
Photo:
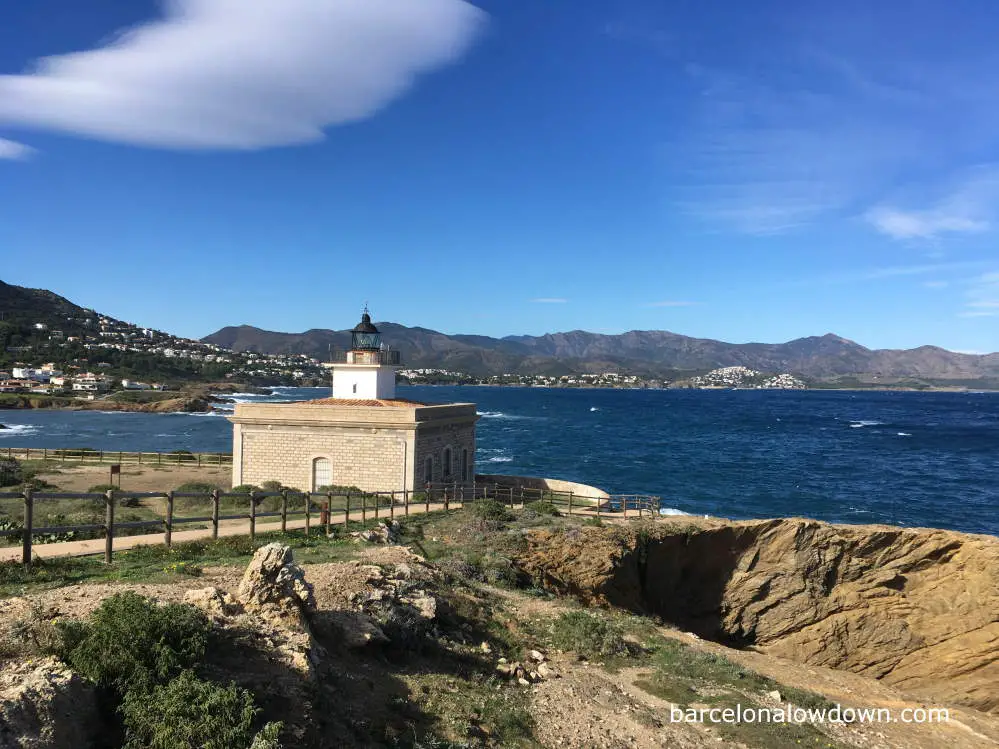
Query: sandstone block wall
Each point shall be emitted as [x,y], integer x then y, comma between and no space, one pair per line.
[432,441]
[370,459]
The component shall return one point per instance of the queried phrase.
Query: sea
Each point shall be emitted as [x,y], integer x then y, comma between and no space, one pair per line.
[903,458]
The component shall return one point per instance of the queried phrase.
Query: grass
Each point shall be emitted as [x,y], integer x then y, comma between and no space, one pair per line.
[686,676]
[476,708]
[158,563]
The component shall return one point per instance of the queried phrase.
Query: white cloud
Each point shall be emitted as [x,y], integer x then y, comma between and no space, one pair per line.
[827,117]
[233,74]
[671,303]
[935,284]
[12,151]
[982,296]
[899,224]
[549,300]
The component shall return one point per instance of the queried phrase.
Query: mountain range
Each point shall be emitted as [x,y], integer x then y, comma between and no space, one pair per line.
[651,353]
[645,352]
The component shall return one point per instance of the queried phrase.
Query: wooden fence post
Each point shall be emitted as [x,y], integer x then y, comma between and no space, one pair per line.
[169,520]
[29,506]
[570,501]
[346,512]
[377,504]
[284,510]
[308,511]
[405,501]
[427,498]
[392,505]
[109,526]
[215,513]
[253,515]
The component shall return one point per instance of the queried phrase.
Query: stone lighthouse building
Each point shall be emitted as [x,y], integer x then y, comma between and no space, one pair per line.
[361,436]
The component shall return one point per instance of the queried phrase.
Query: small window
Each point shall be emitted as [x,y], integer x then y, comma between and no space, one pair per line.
[464,464]
[428,470]
[322,473]
[355,388]
[446,460]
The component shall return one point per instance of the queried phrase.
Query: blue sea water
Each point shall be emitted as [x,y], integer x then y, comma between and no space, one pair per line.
[914,459]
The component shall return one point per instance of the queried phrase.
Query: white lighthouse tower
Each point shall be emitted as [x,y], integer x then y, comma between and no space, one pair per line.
[367,371]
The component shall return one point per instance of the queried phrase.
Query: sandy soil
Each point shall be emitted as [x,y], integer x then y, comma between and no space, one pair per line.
[137,478]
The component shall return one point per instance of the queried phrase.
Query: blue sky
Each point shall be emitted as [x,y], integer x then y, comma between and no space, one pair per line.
[743,171]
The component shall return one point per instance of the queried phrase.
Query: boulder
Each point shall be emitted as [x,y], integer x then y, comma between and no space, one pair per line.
[44,705]
[274,586]
[214,602]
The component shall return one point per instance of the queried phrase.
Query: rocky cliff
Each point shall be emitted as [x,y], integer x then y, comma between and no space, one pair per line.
[918,609]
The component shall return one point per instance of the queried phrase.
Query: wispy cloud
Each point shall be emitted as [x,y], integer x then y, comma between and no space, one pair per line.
[982,297]
[550,300]
[936,284]
[966,209]
[12,151]
[829,122]
[671,303]
[231,74]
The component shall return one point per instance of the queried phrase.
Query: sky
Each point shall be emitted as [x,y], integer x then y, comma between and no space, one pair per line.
[742,171]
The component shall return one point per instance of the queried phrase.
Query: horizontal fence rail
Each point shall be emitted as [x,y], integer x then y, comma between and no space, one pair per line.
[326,509]
[84,455]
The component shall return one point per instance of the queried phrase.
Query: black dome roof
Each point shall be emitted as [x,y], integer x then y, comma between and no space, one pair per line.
[365,325]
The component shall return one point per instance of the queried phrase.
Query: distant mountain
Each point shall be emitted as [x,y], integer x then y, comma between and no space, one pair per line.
[648,352]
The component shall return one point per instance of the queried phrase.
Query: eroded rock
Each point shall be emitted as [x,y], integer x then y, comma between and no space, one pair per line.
[44,705]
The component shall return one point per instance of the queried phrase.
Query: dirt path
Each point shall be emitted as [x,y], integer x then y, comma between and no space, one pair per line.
[227,528]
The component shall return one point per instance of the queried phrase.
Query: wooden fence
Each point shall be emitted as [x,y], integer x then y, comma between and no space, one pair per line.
[83,455]
[326,509]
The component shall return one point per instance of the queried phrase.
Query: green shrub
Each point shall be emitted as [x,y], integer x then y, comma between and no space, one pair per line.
[488,509]
[11,473]
[101,488]
[188,712]
[244,489]
[587,635]
[130,643]
[196,487]
[593,522]
[543,507]
[272,486]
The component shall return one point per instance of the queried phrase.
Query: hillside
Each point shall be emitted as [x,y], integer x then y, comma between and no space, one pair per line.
[651,352]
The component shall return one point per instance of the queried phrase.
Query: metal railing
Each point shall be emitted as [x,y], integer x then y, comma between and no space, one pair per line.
[383,356]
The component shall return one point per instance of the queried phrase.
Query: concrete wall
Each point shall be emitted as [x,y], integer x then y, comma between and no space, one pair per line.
[583,491]
[373,382]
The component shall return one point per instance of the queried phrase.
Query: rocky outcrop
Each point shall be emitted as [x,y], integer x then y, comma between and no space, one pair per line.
[273,586]
[44,705]
[383,533]
[916,608]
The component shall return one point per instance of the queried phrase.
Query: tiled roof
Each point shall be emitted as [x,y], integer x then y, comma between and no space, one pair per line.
[378,403]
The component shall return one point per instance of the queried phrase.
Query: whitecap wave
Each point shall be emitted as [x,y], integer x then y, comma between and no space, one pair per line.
[904,434]
[672,511]
[860,424]
[594,408]
[18,429]
[497,459]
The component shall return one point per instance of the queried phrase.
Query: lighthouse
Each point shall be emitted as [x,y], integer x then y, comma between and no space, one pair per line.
[362,436]
[367,371]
